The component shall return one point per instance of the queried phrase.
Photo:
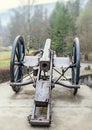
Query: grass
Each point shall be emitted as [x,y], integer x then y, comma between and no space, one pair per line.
[5,58]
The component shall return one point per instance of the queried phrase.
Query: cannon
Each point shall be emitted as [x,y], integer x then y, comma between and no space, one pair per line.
[41,76]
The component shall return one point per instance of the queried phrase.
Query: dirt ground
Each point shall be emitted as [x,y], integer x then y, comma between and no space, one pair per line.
[68,112]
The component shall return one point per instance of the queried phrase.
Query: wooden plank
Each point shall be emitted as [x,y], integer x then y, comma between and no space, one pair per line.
[42,91]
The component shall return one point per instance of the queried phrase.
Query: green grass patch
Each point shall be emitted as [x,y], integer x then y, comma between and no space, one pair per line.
[5,55]
[5,58]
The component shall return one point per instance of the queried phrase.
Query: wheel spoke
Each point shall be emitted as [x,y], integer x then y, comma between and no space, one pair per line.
[16,73]
[22,54]
[16,54]
[75,75]
[16,70]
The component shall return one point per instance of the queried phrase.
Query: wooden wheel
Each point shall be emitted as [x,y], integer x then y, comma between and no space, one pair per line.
[16,62]
[75,63]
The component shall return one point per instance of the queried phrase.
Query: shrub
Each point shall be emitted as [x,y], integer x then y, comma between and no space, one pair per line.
[88,67]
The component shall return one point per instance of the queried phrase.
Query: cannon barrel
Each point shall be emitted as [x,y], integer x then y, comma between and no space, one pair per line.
[45,60]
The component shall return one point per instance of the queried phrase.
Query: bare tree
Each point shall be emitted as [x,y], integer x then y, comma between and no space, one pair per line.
[39,27]
[32,23]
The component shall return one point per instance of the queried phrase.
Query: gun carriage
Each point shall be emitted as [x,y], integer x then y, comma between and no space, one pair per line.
[42,79]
